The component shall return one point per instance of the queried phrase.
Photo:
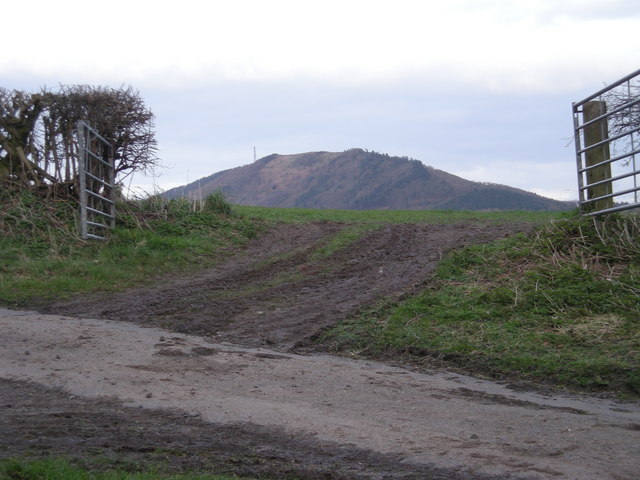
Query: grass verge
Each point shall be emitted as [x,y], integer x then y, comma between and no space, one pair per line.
[43,257]
[60,469]
[561,307]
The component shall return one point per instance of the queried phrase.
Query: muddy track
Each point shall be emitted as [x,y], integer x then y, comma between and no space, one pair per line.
[274,293]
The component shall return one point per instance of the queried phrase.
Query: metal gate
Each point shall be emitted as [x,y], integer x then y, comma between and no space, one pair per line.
[97,183]
[607,140]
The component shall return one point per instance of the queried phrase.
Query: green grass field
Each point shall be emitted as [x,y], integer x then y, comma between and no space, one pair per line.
[392,216]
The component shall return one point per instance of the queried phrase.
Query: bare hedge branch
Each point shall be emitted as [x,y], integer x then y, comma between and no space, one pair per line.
[38,144]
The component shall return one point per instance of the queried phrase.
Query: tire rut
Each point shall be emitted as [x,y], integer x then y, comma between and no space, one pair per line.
[275,293]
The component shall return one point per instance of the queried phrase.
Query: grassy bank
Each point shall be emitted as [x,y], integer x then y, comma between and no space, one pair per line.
[561,307]
[42,255]
[60,469]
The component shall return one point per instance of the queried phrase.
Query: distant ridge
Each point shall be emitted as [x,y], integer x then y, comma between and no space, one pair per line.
[357,179]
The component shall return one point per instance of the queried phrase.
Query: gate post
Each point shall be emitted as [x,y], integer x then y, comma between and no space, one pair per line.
[595,133]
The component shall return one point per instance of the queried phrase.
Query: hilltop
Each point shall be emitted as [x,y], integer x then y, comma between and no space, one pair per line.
[357,179]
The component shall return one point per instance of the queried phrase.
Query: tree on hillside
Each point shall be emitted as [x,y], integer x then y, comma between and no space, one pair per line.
[38,144]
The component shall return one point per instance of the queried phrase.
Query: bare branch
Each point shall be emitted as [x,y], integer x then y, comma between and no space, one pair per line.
[37,132]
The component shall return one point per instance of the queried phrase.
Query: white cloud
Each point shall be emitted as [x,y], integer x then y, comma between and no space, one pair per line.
[495,44]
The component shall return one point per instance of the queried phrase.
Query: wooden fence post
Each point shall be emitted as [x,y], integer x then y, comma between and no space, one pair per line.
[595,133]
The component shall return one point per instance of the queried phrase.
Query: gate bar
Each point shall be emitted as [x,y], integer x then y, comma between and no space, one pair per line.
[607,88]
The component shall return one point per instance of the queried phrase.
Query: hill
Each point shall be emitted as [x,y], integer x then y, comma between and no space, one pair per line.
[358,180]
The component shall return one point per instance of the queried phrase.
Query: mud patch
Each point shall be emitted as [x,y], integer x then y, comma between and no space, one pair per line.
[40,422]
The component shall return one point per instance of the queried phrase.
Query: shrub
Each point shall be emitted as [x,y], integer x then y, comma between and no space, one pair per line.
[216,202]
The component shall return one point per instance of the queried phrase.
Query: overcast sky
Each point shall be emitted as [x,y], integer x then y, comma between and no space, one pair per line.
[478,88]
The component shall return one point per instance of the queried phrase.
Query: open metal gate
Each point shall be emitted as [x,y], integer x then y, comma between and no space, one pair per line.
[607,139]
[97,183]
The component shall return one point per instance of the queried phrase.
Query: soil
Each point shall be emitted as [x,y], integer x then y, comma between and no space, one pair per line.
[218,371]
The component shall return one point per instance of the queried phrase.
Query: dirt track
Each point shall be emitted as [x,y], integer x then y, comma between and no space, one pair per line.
[121,389]
[275,294]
